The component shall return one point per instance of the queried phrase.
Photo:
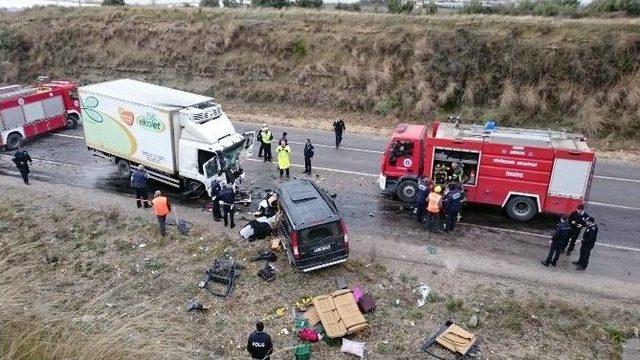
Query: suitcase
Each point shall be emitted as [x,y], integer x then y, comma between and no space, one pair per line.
[366,303]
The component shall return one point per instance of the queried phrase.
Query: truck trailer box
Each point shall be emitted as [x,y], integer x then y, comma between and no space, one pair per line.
[183,139]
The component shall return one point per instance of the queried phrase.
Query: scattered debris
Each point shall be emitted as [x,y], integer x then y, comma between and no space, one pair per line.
[275,244]
[194,304]
[284,331]
[51,259]
[431,249]
[312,316]
[304,303]
[265,255]
[280,311]
[302,351]
[371,214]
[453,338]
[357,293]
[424,291]
[310,335]
[352,347]
[268,272]
[339,313]
[223,272]
[366,304]
[142,245]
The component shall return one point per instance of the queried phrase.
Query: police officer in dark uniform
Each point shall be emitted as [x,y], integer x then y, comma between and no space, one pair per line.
[338,128]
[588,242]
[259,344]
[227,199]
[559,241]
[216,188]
[309,151]
[452,202]
[421,198]
[22,160]
[577,222]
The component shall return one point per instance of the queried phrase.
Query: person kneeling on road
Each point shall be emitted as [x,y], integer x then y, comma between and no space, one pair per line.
[161,208]
[434,204]
[259,344]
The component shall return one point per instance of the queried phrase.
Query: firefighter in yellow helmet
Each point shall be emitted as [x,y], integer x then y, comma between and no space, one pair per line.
[434,205]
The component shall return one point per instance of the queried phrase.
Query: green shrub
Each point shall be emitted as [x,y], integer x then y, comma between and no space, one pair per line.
[315,4]
[112,2]
[430,8]
[630,7]
[399,7]
[348,7]
[278,4]
[476,7]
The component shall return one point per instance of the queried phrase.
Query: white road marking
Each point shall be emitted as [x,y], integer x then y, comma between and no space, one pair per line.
[326,169]
[614,206]
[68,136]
[616,178]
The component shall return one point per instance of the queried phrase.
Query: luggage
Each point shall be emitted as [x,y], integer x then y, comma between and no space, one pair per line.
[366,303]
[357,293]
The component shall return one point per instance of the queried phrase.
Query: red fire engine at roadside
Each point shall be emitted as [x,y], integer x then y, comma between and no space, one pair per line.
[524,171]
[27,111]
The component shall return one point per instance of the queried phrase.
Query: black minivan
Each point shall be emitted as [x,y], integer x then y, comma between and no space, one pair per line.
[312,231]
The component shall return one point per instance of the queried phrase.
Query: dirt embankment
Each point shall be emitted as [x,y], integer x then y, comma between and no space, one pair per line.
[533,72]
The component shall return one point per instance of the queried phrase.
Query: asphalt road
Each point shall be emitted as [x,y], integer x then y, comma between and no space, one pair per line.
[351,172]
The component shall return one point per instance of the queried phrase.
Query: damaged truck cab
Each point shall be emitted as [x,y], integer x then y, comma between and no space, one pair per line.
[524,171]
[184,140]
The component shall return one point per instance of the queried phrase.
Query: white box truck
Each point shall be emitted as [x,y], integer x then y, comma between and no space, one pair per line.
[184,140]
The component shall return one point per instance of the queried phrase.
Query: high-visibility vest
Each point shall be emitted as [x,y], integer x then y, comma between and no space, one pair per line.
[266,137]
[160,207]
[434,202]
[283,157]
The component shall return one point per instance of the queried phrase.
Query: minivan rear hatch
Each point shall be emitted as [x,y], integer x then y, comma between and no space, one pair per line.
[322,245]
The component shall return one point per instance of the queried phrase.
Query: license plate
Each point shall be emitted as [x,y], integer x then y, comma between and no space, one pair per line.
[322,248]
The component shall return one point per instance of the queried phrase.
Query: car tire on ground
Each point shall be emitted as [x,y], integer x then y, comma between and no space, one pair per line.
[407,190]
[13,141]
[124,169]
[521,208]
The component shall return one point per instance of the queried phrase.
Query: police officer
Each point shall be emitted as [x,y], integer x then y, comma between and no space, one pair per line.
[577,220]
[309,151]
[22,160]
[259,344]
[588,242]
[559,241]
[421,198]
[284,138]
[338,128]
[216,188]
[259,140]
[266,139]
[227,199]
[139,178]
[451,203]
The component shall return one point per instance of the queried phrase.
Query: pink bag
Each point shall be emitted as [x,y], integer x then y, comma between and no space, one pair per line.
[308,335]
[357,293]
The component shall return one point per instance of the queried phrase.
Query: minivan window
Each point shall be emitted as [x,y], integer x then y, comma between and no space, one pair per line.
[318,233]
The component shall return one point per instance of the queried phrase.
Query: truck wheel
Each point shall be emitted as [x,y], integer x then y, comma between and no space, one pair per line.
[72,121]
[124,169]
[13,141]
[521,208]
[407,190]
[194,188]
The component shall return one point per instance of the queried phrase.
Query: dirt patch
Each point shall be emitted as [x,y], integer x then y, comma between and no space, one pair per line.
[100,275]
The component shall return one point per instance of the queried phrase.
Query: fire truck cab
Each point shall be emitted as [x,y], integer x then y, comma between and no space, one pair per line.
[524,171]
[27,111]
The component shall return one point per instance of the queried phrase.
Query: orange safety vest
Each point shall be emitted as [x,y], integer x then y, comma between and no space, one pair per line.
[434,202]
[160,206]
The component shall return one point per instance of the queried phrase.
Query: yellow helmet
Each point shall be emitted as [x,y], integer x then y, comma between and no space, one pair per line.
[438,189]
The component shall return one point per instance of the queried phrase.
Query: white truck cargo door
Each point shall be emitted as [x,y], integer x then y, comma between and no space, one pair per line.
[570,178]
[250,138]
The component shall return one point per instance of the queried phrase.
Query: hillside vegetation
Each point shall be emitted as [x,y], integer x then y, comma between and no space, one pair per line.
[525,71]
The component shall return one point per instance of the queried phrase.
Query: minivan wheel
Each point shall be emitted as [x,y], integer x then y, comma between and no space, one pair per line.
[407,190]
[521,208]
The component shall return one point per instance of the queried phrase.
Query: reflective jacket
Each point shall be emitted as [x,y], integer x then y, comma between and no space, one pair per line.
[284,154]
[161,206]
[434,202]
[266,137]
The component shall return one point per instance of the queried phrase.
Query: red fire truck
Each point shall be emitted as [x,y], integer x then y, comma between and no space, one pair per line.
[524,171]
[27,111]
